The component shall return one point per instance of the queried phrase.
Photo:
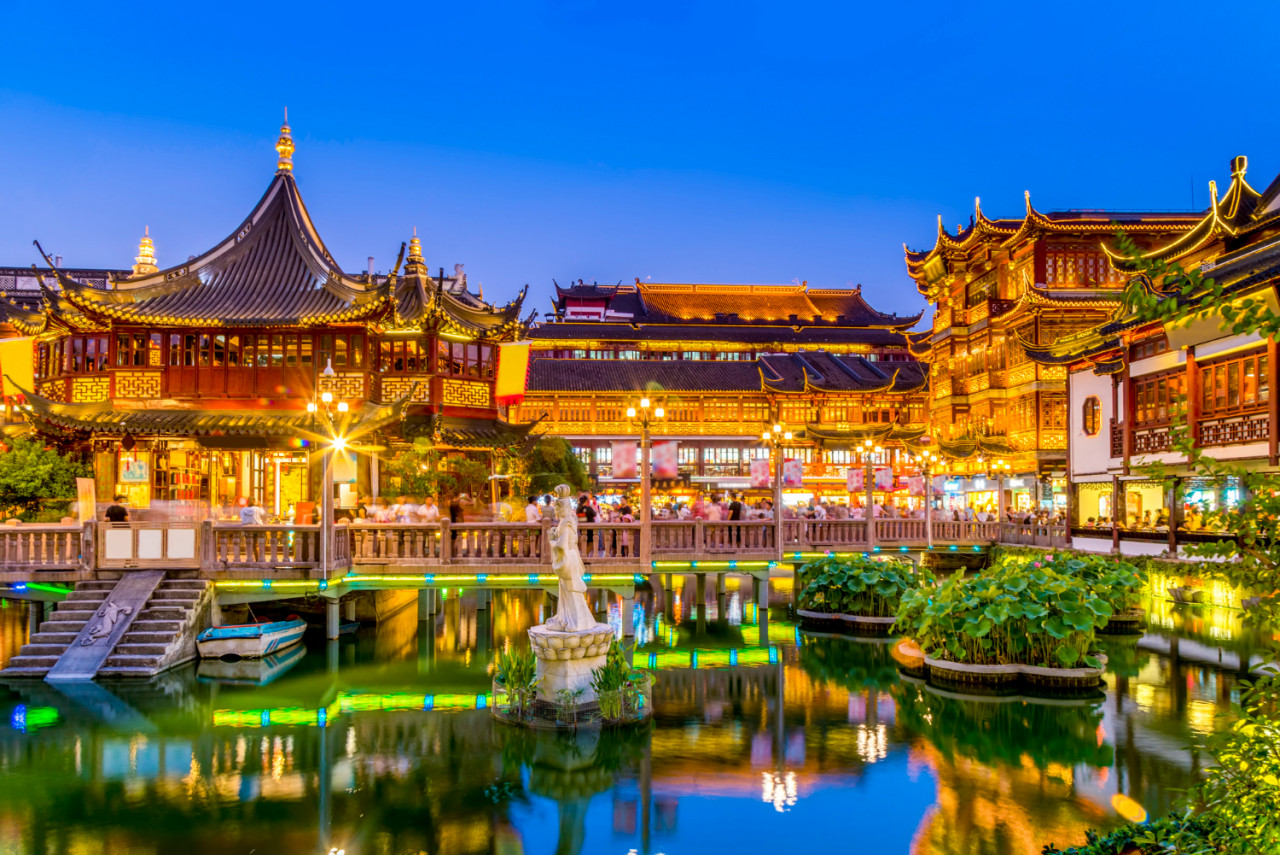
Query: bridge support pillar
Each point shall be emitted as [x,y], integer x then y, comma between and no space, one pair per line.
[701,614]
[332,651]
[628,616]
[349,609]
[426,603]
[482,598]
[35,616]
[331,620]
[669,596]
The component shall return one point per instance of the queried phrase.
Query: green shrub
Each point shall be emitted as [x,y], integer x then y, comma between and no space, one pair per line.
[1008,615]
[861,585]
[1116,580]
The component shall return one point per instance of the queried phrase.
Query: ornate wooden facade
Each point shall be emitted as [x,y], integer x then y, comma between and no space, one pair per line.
[995,285]
[726,361]
[193,382]
[1131,382]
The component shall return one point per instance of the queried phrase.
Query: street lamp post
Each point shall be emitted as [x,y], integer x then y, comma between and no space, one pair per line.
[645,416]
[928,460]
[774,438]
[324,403]
[866,450]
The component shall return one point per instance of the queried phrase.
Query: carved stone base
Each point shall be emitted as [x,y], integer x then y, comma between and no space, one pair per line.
[567,659]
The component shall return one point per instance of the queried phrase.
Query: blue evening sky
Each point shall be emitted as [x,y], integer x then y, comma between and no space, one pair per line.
[672,141]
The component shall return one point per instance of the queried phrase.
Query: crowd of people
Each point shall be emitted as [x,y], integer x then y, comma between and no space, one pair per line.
[1194,518]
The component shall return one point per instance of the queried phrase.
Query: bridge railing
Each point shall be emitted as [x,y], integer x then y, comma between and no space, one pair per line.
[695,537]
[231,546]
[1034,534]
[46,547]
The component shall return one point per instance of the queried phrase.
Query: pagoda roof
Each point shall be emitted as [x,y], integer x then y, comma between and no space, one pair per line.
[1241,209]
[877,432]
[827,372]
[455,432]
[768,335]
[107,418]
[273,270]
[763,305]
[1007,233]
[796,372]
[1239,272]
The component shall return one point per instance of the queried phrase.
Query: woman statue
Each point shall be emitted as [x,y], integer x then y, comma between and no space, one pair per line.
[572,614]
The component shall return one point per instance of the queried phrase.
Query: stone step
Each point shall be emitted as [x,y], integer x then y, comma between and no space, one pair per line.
[54,650]
[163,613]
[79,596]
[145,624]
[110,670]
[44,637]
[131,648]
[183,584]
[61,626]
[41,662]
[175,594]
[161,638]
[18,671]
[94,585]
[73,611]
[120,660]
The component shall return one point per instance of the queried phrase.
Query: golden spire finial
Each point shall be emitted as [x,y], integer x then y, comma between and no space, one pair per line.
[415,249]
[284,146]
[145,262]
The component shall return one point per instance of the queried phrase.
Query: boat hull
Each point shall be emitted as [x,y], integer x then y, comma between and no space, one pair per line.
[249,641]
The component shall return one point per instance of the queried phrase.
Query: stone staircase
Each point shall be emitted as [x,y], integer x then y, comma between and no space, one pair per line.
[161,635]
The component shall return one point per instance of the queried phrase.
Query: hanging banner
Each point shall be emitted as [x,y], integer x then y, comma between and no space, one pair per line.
[760,473]
[915,485]
[939,484]
[513,371]
[793,473]
[665,460]
[855,479]
[86,500]
[884,479]
[624,460]
[17,366]
[344,467]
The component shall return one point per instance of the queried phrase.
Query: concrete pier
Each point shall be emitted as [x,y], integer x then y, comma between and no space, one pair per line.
[331,620]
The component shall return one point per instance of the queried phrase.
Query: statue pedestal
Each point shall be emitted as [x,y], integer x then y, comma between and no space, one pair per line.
[567,659]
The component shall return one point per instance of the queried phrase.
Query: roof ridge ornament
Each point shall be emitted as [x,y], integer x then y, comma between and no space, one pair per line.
[415,249]
[284,147]
[145,262]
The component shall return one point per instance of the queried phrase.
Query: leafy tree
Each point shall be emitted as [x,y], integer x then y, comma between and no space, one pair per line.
[416,471]
[548,462]
[32,477]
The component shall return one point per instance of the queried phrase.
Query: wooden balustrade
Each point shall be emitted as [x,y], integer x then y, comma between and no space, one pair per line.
[495,543]
[229,546]
[45,547]
[394,543]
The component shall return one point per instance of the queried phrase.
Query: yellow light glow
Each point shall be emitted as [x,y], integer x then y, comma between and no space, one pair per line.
[659,413]
[644,403]
[631,412]
[343,406]
[311,406]
[327,397]
[339,443]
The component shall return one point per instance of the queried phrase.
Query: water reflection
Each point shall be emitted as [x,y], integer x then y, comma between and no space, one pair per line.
[761,734]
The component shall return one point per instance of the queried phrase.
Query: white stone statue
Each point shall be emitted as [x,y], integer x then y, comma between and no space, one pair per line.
[572,613]
[571,644]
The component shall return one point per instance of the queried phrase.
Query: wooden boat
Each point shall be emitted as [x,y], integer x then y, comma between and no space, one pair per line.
[250,640]
[250,672]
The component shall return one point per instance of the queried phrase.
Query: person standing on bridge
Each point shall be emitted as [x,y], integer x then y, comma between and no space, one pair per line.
[118,513]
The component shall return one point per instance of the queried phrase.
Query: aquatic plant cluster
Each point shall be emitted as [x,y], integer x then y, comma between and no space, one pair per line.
[860,585]
[1041,613]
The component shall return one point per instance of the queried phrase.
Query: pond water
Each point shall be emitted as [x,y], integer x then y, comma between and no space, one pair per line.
[382,744]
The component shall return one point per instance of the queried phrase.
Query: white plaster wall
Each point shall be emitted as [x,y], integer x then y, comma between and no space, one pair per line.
[1089,454]
[1159,362]
[1091,544]
[1221,346]
[1134,547]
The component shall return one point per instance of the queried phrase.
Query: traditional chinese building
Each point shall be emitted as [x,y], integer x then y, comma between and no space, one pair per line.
[994,285]
[725,362]
[1131,381]
[220,377]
